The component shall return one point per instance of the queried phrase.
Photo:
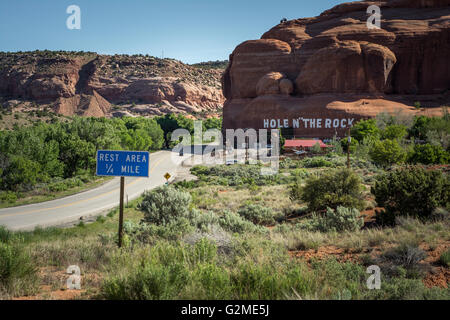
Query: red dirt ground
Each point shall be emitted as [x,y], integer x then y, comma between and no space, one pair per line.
[439,276]
[54,285]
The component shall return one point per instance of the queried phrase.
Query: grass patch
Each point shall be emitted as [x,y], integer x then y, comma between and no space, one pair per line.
[444,259]
[45,194]
[231,242]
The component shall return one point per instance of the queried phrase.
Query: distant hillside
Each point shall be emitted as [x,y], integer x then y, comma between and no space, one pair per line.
[218,64]
[87,83]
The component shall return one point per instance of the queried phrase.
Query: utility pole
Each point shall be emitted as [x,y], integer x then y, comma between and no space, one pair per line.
[122,187]
[349,141]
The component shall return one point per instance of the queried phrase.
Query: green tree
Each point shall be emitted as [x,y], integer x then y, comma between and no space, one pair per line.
[341,187]
[419,127]
[387,152]
[21,174]
[212,123]
[138,140]
[411,191]
[394,132]
[429,154]
[417,105]
[76,154]
[155,132]
[171,122]
[364,129]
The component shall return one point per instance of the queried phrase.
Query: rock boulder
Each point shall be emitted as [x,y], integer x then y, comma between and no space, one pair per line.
[336,55]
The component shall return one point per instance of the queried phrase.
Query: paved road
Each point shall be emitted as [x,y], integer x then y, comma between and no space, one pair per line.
[92,202]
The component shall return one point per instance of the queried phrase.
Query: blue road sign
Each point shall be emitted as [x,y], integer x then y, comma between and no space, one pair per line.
[123,163]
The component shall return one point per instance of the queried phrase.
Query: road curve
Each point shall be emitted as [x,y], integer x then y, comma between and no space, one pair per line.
[89,203]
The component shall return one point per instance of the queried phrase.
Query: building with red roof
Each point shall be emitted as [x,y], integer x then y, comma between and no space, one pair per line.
[303,146]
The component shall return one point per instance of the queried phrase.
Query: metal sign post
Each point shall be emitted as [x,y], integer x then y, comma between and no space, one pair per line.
[122,189]
[349,140]
[167,176]
[123,164]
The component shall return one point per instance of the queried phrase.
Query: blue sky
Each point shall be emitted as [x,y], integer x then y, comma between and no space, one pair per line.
[189,30]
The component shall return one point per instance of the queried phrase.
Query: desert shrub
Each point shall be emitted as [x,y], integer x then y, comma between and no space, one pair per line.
[227,220]
[316,148]
[403,260]
[411,191]
[100,219]
[300,173]
[359,163]
[341,187]
[185,184]
[387,152]
[5,235]
[193,221]
[172,230]
[151,279]
[316,162]
[401,288]
[341,219]
[144,232]
[296,190]
[438,130]
[362,149]
[257,214]
[174,271]
[429,154]
[288,163]
[405,255]
[233,222]
[221,238]
[444,259]
[165,204]
[202,221]
[336,147]
[236,175]
[336,160]
[18,274]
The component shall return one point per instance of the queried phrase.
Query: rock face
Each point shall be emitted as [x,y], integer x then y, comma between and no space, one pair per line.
[336,57]
[87,84]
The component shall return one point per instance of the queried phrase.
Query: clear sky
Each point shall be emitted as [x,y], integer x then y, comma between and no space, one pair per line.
[187,30]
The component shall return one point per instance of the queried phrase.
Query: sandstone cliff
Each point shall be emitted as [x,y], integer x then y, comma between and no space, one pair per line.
[87,83]
[333,65]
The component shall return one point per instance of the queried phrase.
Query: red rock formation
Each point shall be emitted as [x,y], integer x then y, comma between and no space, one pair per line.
[84,105]
[87,84]
[336,55]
